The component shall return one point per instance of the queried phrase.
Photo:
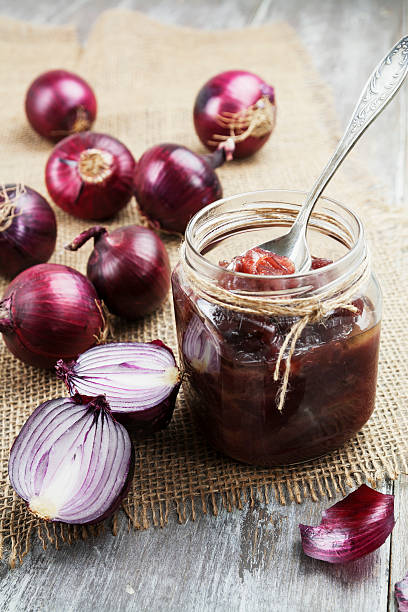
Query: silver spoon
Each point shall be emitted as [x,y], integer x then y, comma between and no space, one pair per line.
[379,90]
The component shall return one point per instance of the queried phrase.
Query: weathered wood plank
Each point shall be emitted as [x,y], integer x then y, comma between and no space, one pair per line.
[210,14]
[399,540]
[249,560]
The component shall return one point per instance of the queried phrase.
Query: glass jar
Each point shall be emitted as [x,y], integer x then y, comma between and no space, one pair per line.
[231,337]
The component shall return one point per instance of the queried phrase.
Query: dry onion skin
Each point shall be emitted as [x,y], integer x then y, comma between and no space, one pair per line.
[354,527]
[72,462]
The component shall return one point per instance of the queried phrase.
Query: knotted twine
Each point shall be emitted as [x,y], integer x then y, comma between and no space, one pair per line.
[305,310]
[9,196]
[256,121]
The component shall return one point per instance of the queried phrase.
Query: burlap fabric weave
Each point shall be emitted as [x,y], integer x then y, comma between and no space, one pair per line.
[146,76]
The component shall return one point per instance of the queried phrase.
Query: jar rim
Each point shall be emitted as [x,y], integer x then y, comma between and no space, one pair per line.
[337,270]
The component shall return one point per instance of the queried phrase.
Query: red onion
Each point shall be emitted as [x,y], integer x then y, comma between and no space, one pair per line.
[352,528]
[139,380]
[90,175]
[72,462]
[28,229]
[50,312]
[129,268]
[401,594]
[235,104]
[172,183]
[59,103]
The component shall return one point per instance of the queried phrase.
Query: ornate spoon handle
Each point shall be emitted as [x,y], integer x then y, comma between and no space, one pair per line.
[379,90]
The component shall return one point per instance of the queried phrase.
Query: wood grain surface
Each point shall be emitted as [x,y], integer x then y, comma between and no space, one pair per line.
[248,560]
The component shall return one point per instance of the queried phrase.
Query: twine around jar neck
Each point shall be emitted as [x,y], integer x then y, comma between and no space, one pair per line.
[305,310]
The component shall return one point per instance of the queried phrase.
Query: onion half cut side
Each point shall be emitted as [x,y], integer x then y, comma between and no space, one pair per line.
[72,462]
[139,379]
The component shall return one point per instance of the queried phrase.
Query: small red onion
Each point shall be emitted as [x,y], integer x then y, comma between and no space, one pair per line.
[90,175]
[28,229]
[72,462]
[235,104]
[355,526]
[172,183]
[50,312]
[140,381]
[129,268]
[59,103]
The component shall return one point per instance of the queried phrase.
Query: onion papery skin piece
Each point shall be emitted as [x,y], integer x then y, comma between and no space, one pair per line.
[401,594]
[172,183]
[90,175]
[72,462]
[225,106]
[140,381]
[28,229]
[59,103]
[50,312]
[129,268]
[355,526]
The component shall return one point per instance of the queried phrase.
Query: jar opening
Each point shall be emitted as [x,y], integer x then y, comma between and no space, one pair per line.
[233,225]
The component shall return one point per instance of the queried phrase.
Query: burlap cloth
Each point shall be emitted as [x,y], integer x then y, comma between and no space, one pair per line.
[146,76]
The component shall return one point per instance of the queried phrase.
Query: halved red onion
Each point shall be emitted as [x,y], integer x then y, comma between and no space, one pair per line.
[355,526]
[140,381]
[401,594]
[72,462]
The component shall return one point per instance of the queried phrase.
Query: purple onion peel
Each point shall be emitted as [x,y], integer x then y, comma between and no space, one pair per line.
[355,526]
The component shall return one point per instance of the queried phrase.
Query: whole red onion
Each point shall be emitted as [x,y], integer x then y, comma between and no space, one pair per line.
[129,268]
[90,175]
[172,183]
[72,462]
[59,103]
[28,229]
[50,312]
[235,104]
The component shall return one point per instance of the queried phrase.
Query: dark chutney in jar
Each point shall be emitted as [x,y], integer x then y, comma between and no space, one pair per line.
[229,360]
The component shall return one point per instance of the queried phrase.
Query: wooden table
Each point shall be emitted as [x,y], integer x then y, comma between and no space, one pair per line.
[249,560]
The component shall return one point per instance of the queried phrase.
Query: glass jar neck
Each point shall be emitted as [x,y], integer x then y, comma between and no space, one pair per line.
[229,220]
